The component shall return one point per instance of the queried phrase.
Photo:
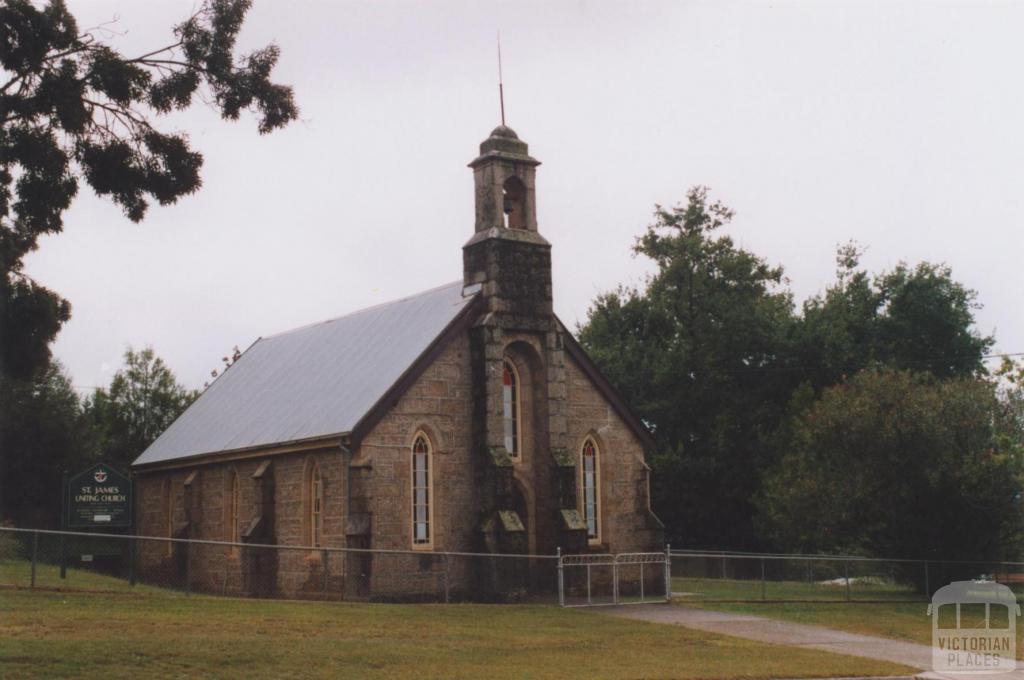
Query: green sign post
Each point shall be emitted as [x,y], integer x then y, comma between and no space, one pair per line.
[99,497]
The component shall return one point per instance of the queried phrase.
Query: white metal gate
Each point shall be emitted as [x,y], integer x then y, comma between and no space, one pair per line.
[590,580]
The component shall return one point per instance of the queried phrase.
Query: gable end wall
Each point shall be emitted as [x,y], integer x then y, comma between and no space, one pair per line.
[626,522]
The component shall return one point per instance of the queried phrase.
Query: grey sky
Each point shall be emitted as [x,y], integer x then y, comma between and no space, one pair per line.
[895,124]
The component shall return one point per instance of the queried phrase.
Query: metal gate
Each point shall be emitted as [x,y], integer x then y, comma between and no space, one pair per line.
[591,580]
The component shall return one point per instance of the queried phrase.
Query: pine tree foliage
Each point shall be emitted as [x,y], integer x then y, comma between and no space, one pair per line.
[73,108]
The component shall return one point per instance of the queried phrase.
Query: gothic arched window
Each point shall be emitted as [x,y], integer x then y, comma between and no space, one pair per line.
[422,536]
[316,506]
[233,509]
[590,477]
[169,498]
[511,410]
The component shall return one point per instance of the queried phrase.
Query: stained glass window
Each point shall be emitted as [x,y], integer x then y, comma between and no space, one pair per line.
[233,536]
[316,502]
[169,486]
[591,490]
[510,409]
[421,491]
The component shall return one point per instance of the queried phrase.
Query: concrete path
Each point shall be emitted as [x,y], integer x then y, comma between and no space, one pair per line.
[778,632]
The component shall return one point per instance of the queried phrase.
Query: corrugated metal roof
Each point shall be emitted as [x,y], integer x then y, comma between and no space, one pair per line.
[314,381]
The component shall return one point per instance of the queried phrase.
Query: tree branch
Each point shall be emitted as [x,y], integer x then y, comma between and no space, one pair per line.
[150,54]
[119,112]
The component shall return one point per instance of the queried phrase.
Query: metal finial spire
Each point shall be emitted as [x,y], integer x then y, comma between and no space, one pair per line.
[501,86]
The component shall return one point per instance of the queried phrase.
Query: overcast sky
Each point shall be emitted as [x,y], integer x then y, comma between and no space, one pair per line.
[898,125]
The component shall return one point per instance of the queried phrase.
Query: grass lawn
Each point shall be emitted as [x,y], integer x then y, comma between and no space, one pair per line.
[700,589]
[19,573]
[48,635]
[899,620]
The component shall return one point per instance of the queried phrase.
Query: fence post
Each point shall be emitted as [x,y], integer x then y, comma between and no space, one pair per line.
[35,553]
[188,568]
[588,584]
[324,556]
[63,522]
[561,579]
[723,566]
[763,597]
[131,561]
[446,568]
[668,572]
[615,582]
[846,574]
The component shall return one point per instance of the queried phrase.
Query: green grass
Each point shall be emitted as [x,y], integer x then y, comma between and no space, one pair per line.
[704,589]
[53,635]
[19,573]
[876,607]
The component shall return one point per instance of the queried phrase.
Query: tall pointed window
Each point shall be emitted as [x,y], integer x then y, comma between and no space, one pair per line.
[511,409]
[233,518]
[169,490]
[591,487]
[421,496]
[316,506]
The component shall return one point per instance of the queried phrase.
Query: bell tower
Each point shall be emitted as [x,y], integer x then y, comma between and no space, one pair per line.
[519,432]
[506,254]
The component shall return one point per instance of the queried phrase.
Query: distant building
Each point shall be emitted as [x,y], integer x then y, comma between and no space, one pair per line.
[464,418]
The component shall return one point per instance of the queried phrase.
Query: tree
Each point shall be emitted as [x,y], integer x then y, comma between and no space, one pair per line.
[699,353]
[714,359]
[74,108]
[143,399]
[901,464]
[916,318]
[43,434]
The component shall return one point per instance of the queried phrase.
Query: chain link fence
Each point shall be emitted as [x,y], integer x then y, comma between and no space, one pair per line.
[113,563]
[746,577]
[117,563]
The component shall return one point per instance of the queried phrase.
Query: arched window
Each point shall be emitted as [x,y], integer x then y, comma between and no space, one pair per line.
[316,506]
[590,473]
[169,491]
[511,409]
[234,533]
[422,536]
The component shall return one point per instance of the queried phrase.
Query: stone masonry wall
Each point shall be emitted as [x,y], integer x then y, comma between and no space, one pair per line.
[219,569]
[626,524]
[440,404]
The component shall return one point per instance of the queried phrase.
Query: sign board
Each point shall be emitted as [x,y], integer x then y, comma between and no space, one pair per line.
[99,497]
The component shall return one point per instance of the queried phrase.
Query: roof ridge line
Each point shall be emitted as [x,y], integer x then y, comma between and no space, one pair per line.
[360,311]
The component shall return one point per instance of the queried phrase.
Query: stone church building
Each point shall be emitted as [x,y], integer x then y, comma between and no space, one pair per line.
[465,418]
